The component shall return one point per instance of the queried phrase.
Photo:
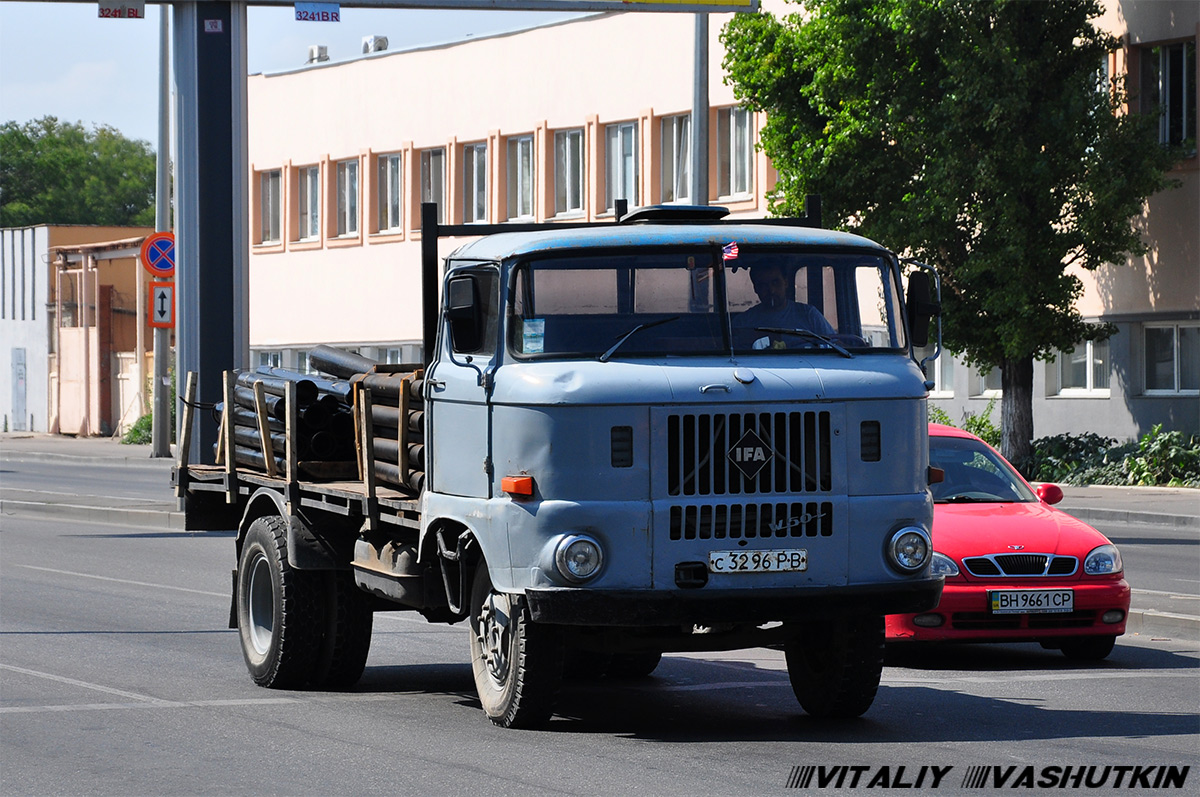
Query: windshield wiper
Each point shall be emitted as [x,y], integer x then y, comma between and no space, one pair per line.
[612,349]
[964,498]
[808,333]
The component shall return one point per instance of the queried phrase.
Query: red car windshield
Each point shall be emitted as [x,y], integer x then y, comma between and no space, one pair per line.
[975,474]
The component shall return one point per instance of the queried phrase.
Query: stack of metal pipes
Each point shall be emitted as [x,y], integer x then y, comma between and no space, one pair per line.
[325,423]
[390,400]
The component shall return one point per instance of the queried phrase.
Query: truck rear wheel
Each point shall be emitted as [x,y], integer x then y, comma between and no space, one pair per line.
[281,616]
[518,664]
[349,619]
[835,667]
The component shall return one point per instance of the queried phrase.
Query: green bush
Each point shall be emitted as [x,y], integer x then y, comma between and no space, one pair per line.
[980,425]
[139,433]
[1159,458]
[1166,458]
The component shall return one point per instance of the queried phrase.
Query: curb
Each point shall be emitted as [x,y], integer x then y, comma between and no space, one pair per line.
[1150,622]
[119,516]
[45,456]
[1089,514]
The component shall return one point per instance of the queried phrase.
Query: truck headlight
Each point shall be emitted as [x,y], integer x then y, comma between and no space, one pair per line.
[1103,560]
[578,557]
[909,549]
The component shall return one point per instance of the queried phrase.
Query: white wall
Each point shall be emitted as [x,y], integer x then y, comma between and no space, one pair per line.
[24,323]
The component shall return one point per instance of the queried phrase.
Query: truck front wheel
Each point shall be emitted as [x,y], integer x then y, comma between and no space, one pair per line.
[280,611]
[517,663]
[835,667]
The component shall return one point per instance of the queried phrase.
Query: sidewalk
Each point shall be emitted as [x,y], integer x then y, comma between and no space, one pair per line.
[1151,612]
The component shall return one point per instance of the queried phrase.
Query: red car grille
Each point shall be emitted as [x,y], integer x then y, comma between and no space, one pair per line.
[1020,564]
[982,621]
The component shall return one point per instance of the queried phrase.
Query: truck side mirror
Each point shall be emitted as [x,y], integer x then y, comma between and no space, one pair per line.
[463,313]
[921,307]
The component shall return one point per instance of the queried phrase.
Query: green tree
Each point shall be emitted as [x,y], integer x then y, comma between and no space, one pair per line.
[55,172]
[974,134]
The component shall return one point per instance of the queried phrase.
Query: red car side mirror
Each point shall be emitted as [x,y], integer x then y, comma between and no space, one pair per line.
[1050,493]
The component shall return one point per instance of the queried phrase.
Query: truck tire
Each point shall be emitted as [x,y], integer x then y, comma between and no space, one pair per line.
[518,664]
[835,667]
[1087,648]
[347,641]
[281,617]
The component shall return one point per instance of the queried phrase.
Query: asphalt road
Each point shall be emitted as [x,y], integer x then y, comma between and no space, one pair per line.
[118,676]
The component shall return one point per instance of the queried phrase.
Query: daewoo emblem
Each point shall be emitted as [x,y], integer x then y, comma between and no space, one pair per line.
[1017,547]
[750,454]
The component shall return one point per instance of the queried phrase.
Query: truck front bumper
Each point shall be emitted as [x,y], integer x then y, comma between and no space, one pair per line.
[650,607]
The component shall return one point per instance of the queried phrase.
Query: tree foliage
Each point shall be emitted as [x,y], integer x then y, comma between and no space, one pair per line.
[974,134]
[54,172]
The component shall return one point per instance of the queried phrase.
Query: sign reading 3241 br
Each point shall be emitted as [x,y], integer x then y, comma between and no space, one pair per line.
[318,12]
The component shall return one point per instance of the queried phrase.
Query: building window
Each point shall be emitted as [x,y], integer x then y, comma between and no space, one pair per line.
[347,197]
[433,180]
[676,158]
[1084,370]
[568,171]
[1172,357]
[389,181]
[520,177]
[475,183]
[309,186]
[621,159]
[939,371]
[987,383]
[735,152]
[271,359]
[1169,89]
[270,185]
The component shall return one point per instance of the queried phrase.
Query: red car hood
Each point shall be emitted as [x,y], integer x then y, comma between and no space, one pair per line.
[974,529]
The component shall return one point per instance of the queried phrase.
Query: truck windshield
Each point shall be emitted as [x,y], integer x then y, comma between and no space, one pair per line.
[703,301]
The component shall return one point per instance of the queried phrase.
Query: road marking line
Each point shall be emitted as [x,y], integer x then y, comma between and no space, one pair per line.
[268,701]
[124,581]
[84,684]
[1161,592]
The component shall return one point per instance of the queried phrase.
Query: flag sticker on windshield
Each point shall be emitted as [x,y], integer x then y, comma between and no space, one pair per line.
[729,251]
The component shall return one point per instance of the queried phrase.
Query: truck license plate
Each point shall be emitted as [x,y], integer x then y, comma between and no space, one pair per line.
[776,561]
[1031,601]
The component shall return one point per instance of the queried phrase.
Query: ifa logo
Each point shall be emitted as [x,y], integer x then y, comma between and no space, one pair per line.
[750,454]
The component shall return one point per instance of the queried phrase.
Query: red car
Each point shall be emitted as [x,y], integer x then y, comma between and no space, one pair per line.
[1016,568]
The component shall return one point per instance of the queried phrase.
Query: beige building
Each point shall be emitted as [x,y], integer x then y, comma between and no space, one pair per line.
[560,121]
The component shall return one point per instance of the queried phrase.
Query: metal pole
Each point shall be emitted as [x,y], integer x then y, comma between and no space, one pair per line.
[700,114]
[160,427]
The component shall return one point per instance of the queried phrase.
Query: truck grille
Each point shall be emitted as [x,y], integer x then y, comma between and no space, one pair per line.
[1020,564]
[738,521]
[796,444]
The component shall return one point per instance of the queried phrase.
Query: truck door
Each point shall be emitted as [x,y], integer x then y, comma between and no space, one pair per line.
[459,384]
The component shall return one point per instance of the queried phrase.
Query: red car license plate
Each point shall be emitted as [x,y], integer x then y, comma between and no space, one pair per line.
[1031,601]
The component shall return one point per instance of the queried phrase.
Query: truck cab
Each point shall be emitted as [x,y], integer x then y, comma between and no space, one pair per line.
[678,433]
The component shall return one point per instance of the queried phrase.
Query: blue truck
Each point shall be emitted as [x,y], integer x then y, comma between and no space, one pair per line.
[673,432]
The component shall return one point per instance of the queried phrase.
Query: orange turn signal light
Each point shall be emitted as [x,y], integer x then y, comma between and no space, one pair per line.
[517,485]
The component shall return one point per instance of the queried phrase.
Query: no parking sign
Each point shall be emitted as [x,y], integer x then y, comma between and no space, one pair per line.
[158,254]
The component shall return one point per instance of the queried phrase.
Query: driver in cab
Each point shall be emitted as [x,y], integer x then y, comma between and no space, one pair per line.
[776,311]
